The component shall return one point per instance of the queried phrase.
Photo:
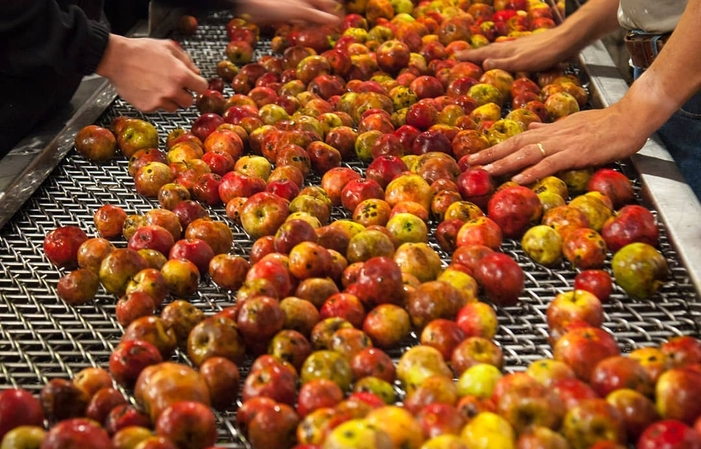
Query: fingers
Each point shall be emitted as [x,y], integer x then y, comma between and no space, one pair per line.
[169,106]
[182,55]
[524,157]
[546,167]
[494,153]
[195,83]
[325,5]
[318,16]
[476,55]
[184,99]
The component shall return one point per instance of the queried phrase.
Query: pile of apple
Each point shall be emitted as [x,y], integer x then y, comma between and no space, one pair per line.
[326,309]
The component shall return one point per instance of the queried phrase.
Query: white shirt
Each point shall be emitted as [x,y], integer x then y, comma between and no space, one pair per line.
[650,16]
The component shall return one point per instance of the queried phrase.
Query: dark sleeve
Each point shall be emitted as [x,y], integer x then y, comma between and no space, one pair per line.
[38,36]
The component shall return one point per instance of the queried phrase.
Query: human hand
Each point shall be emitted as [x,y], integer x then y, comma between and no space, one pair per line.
[587,138]
[539,51]
[315,11]
[151,74]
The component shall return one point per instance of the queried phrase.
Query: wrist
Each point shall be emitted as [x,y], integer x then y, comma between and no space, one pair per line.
[112,56]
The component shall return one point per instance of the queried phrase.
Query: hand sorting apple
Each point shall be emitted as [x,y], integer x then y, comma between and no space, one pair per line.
[364,161]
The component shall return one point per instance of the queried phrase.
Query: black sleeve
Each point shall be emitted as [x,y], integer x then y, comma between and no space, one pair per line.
[39,35]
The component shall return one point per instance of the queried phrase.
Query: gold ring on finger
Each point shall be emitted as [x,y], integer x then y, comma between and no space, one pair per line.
[542,150]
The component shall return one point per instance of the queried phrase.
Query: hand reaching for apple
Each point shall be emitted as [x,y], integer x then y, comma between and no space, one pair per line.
[587,138]
[539,51]
[151,74]
[314,11]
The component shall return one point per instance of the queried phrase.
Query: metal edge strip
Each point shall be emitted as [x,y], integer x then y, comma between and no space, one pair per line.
[30,163]
[662,183]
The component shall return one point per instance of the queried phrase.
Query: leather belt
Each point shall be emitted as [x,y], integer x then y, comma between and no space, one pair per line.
[644,48]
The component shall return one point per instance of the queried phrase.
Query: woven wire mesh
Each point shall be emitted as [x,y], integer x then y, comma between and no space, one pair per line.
[42,338]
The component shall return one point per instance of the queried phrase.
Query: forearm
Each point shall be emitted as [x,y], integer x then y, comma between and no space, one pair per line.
[673,78]
[593,20]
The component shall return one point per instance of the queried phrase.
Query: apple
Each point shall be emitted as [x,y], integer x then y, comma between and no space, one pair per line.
[259,319]
[480,231]
[181,276]
[343,305]
[118,268]
[574,305]
[486,430]
[77,432]
[618,372]
[542,244]
[60,399]
[591,421]
[130,438]
[526,403]
[583,347]
[681,351]
[637,410]
[102,403]
[78,287]
[501,278]
[206,124]
[263,213]
[156,442]
[18,407]
[477,319]
[135,134]
[273,427]
[216,233]
[188,424]
[164,384]
[215,337]
[151,237]
[387,325]
[614,185]
[632,223]
[274,271]
[595,281]
[29,437]
[61,246]
[222,377]
[327,364]
[514,209]
[124,415]
[151,282]
[235,184]
[374,362]
[109,220]
[677,394]
[639,269]
[228,271]
[669,434]
[584,248]
[134,305]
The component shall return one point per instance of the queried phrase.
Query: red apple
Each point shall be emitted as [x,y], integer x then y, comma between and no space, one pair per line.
[74,433]
[669,434]
[61,246]
[19,407]
[188,424]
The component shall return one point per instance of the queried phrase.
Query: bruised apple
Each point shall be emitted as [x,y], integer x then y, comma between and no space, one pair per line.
[96,143]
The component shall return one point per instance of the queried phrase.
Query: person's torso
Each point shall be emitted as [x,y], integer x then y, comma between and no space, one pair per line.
[650,16]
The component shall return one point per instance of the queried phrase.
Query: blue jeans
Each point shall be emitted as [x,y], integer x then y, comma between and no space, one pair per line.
[681,135]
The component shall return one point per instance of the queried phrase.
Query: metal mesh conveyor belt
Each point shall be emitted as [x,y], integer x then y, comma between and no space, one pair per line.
[41,338]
